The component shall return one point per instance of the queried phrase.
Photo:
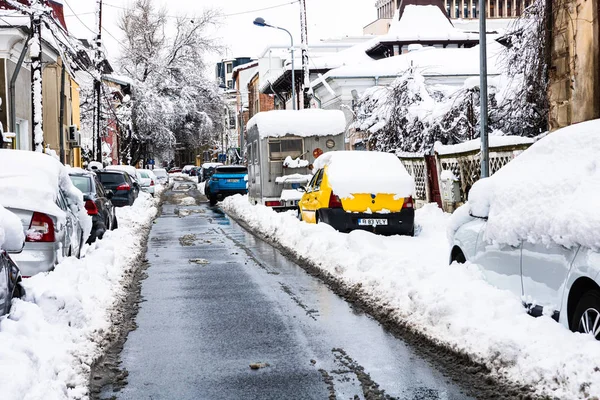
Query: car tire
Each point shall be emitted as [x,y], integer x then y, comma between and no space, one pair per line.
[317,219]
[19,291]
[299,214]
[212,200]
[115,224]
[458,256]
[587,314]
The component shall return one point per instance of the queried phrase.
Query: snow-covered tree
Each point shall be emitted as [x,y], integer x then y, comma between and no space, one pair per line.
[173,100]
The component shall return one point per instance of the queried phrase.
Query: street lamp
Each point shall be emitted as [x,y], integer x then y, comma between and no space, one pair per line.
[261,22]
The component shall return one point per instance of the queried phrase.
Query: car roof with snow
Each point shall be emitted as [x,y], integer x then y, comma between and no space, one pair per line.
[304,123]
[352,172]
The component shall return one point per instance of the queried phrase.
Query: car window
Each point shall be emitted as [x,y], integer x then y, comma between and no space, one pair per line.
[82,183]
[60,201]
[232,170]
[319,179]
[109,178]
[311,184]
[144,174]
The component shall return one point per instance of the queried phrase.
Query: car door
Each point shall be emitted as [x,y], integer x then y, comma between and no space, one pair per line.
[103,203]
[317,194]
[499,263]
[545,271]
[65,229]
[308,213]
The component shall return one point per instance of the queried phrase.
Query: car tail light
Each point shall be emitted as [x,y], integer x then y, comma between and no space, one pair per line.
[41,228]
[124,186]
[334,201]
[91,208]
[272,203]
[408,202]
[151,182]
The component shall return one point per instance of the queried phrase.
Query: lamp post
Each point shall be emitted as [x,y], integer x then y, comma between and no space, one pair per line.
[261,22]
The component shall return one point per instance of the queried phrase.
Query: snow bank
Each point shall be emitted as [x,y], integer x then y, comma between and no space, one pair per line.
[547,194]
[11,231]
[451,305]
[50,340]
[351,172]
[308,122]
[30,180]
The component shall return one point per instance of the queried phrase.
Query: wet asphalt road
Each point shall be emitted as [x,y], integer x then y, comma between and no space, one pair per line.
[217,299]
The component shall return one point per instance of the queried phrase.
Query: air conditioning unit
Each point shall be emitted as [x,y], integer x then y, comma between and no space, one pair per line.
[74,136]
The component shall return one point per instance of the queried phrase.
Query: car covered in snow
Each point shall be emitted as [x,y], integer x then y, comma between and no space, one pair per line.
[161,175]
[37,188]
[226,181]
[187,169]
[147,180]
[533,228]
[206,170]
[367,190]
[12,239]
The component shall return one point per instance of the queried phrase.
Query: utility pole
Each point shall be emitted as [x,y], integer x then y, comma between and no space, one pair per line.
[485,155]
[36,76]
[304,40]
[98,84]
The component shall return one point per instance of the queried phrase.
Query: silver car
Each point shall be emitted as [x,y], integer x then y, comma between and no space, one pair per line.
[37,188]
[530,230]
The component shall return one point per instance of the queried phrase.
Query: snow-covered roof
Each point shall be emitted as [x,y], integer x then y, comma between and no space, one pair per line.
[475,144]
[424,23]
[352,172]
[429,61]
[548,194]
[308,122]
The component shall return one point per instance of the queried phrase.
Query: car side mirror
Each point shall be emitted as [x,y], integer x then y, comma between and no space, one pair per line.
[302,189]
[109,194]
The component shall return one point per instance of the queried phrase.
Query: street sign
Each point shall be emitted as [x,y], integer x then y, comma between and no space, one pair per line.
[222,157]
[151,162]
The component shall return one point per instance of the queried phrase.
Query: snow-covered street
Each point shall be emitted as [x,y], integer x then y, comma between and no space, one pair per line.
[449,304]
[52,337]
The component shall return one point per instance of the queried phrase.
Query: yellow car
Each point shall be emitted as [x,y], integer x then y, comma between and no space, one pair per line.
[365,190]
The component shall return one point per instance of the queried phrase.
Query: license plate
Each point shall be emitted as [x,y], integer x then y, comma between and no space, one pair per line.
[233,180]
[372,221]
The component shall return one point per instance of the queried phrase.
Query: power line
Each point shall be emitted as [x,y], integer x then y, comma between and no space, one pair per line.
[77,16]
[225,15]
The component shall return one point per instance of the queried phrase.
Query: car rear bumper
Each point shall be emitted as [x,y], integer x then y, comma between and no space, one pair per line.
[398,223]
[35,258]
[222,193]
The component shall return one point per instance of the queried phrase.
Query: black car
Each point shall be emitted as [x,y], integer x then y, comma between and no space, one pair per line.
[10,282]
[97,203]
[124,188]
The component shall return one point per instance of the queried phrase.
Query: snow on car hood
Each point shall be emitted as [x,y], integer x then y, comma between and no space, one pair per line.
[547,194]
[31,181]
[352,172]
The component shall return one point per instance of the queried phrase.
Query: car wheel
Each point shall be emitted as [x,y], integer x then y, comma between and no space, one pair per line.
[586,318]
[115,224]
[317,218]
[212,200]
[458,256]
[299,214]
[19,291]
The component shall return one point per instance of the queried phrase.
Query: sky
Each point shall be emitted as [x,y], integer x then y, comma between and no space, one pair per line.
[238,36]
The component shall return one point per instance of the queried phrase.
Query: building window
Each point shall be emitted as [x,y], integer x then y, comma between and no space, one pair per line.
[229,68]
[231,120]
[280,149]
[230,84]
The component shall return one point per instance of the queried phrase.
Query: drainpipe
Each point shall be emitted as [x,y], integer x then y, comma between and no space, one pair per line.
[13,80]
[61,118]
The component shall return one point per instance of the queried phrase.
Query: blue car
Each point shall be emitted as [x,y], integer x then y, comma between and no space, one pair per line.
[226,181]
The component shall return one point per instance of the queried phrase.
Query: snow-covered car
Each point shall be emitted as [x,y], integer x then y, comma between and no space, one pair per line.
[187,169]
[12,238]
[131,170]
[533,228]
[206,170]
[146,179]
[290,195]
[161,175]
[367,190]
[37,188]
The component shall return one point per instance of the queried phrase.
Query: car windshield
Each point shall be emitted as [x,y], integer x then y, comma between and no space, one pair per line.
[111,178]
[232,170]
[82,183]
[144,175]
